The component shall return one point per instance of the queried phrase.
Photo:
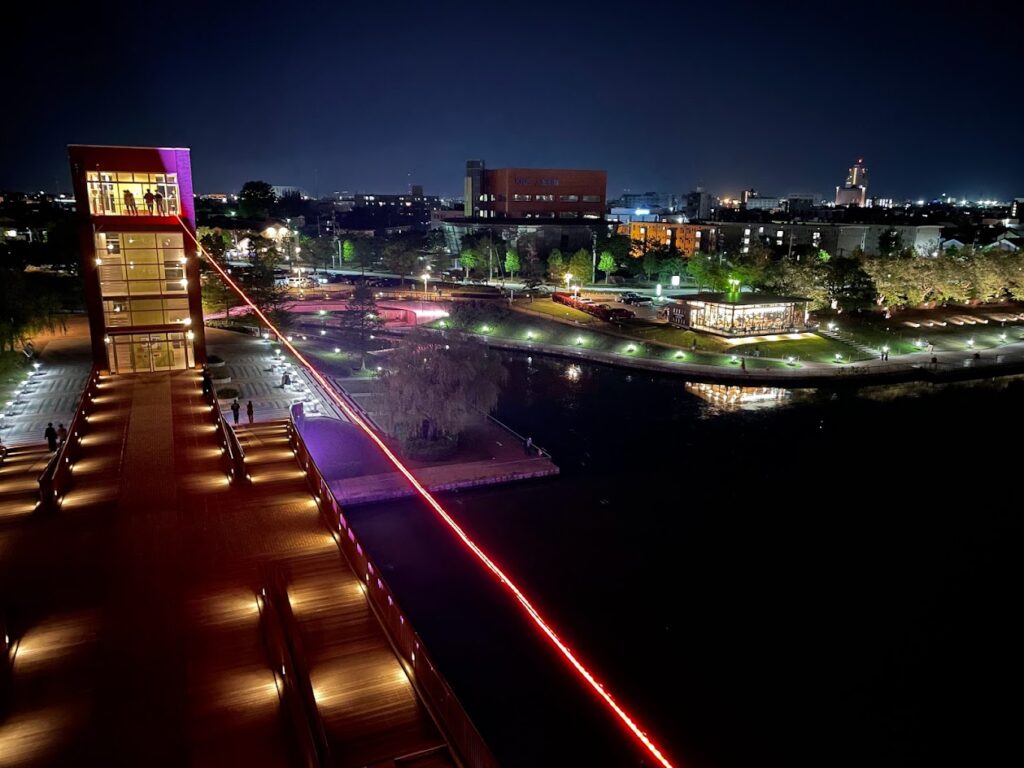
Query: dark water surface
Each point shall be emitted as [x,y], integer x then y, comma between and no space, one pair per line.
[826,580]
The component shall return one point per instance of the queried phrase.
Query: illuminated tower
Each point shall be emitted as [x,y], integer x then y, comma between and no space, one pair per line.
[855,191]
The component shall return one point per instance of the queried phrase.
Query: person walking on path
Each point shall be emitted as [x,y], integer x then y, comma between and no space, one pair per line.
[62,435]
[235,408]
[51,436]
[743,364]
[250,411]
[528,445]
[148,197]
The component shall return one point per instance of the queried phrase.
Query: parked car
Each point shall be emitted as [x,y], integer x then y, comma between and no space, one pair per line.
[639,300]
[625,296]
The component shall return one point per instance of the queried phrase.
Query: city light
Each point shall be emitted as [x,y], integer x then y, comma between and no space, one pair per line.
[539,621]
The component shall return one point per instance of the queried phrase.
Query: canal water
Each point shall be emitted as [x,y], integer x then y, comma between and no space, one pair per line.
[763,577]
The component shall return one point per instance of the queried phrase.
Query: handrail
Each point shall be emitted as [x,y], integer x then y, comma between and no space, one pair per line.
[55,479]
[461,734]
[233,450]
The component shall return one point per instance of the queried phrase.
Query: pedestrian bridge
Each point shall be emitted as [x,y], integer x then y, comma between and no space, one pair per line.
[175,591]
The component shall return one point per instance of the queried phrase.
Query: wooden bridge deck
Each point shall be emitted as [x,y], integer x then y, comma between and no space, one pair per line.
[137,636]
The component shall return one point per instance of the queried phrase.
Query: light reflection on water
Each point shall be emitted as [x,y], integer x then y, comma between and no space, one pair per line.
[729,397]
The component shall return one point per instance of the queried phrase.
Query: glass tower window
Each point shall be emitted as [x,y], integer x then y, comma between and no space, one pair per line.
[118,193]
[142,278]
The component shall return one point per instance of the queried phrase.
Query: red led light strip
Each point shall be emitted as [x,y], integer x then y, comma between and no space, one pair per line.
[473,547]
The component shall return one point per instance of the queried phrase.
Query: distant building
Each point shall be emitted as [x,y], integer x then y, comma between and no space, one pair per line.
[855,191]
[836,239]
[286,190]
[139,267]
[534,193]
[699,204]
[686,239]
[765,204]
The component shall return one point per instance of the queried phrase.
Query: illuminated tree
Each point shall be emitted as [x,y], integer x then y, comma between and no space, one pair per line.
[512,262]
[606,264]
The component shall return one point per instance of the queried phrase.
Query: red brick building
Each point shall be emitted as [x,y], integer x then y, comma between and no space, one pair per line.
[534,193]
[139,266]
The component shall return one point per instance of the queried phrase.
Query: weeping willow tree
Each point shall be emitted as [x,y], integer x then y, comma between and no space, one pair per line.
[435,387]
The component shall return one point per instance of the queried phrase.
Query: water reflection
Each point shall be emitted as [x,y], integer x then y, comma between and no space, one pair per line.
[734,398]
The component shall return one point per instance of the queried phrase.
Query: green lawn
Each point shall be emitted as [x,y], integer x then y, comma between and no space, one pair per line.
[902,338]
[520,327]
[549,307]
[815,348]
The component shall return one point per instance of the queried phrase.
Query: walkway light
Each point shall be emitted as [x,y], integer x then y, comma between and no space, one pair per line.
[37,364]
[885,348]
[631,348]
[323,312]
[680,355]
[486,329]
[831,326]
[790,360]
[839,357]
[734,359]
[970,342]
[529,335]
[337,350]
[579,341]
[1002,336]
[323,332]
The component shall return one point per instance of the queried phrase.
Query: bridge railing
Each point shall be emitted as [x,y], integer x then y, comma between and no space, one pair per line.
[55,480]
[433,689]
[234,455]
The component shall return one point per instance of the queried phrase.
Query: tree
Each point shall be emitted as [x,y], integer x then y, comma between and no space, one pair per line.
[434,388]
[261,282]
[511,262]
[29,302]
[651,261]
[471,315]
[890,242]
[469,261]
[556,266]
[214,241]
[708,272]
[581,265]
[318,251]
[216,294]
[256,200]
[348,252]
[606,264]
[399,257]
[359,320]
[670,267]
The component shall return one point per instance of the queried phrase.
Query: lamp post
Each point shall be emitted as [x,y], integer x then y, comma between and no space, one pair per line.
[423,304]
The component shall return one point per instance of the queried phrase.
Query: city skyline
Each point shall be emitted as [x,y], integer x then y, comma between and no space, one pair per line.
[354,101]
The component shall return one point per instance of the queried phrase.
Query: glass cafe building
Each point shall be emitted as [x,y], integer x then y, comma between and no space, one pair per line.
[139,261]
[739,314]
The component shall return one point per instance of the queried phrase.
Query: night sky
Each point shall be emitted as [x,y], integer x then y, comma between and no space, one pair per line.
[373,96]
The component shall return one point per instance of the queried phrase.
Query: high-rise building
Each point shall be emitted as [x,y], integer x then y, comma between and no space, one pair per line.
[139,258]
[855,191]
